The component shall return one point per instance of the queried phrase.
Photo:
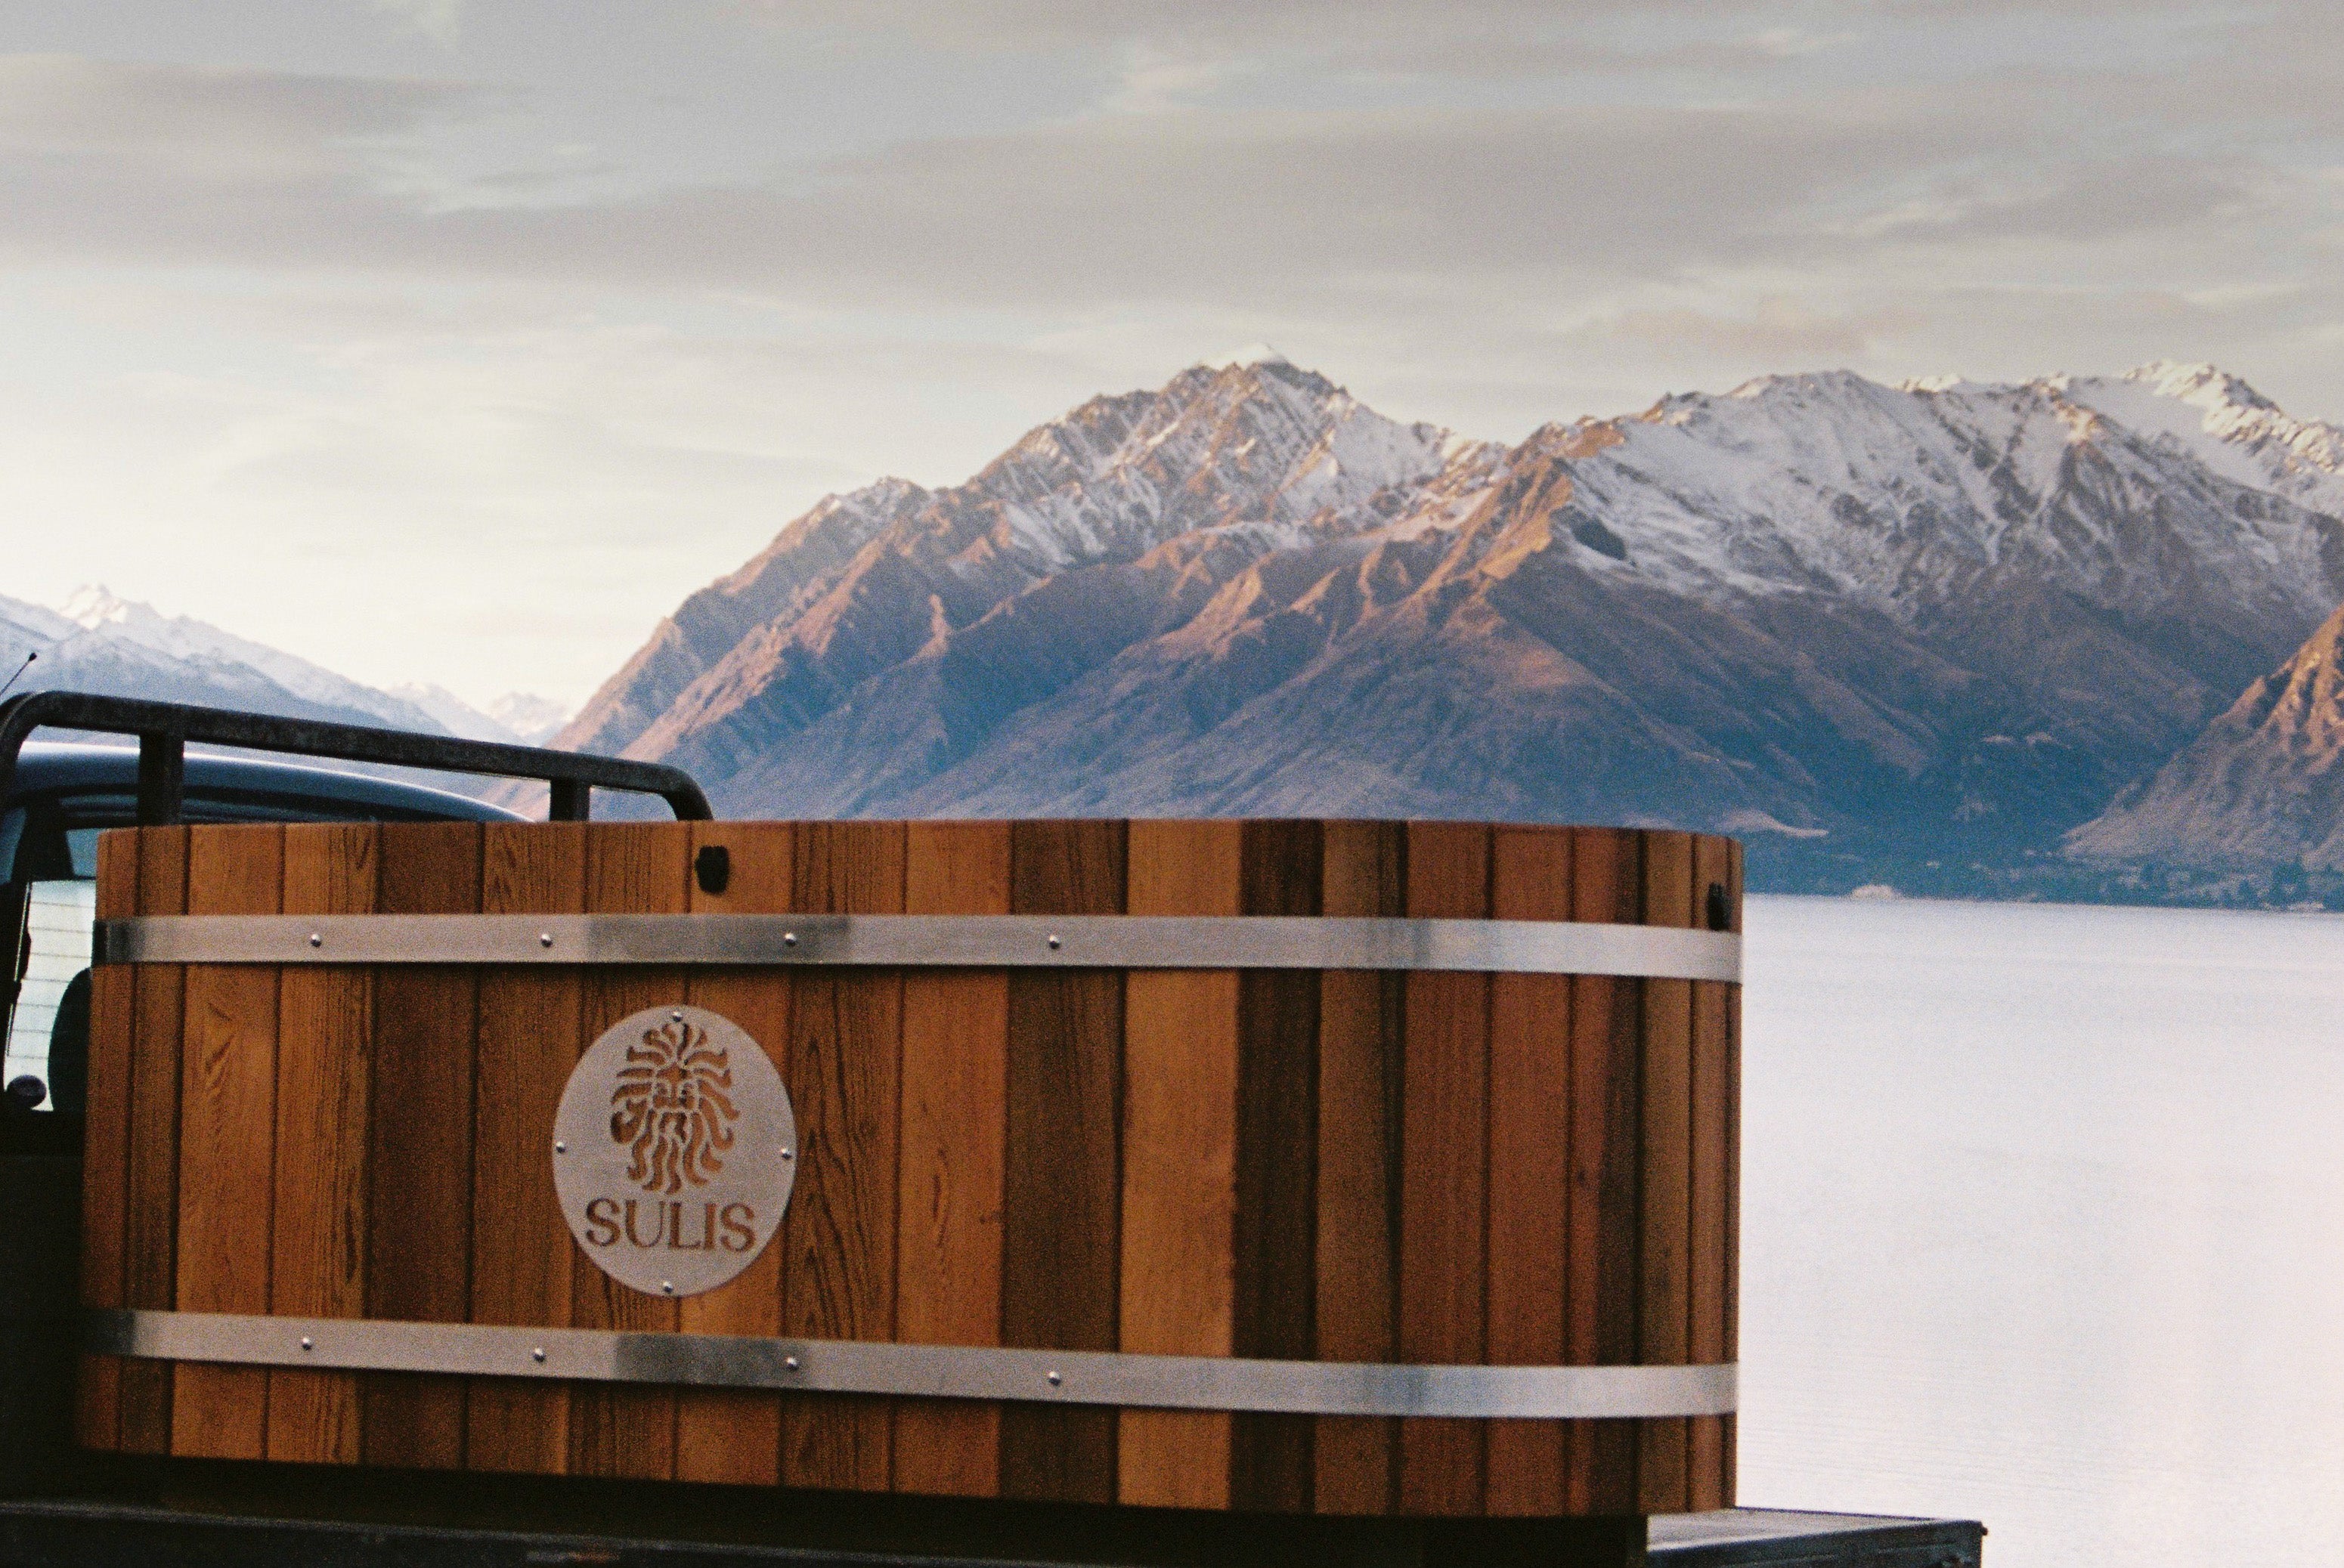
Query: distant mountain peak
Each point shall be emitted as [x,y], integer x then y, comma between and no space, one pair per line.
[100,641]
[93,605]
[516,718]
[532,717]
[2205,386]
[1798,382]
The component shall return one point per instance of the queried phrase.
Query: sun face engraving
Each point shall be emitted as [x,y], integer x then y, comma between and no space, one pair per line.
[672,1151]
[672,1111]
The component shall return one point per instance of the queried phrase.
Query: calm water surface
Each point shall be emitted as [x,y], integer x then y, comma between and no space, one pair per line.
[2044,1224]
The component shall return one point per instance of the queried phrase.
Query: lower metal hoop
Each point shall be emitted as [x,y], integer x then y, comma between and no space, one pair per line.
[931,1371]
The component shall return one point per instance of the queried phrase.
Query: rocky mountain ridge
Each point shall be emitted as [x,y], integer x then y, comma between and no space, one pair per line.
[2262,787]
[1941,624]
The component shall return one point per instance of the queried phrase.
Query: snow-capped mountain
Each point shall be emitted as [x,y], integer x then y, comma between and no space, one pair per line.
[99,642]
[529,718]
[1858,623]
[515,719]
[204,651]
[1252,459]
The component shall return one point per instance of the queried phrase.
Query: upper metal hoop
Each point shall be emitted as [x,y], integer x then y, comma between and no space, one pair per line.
[980,941]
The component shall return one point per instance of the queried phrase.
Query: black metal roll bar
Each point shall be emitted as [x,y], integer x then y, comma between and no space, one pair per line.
[163,729]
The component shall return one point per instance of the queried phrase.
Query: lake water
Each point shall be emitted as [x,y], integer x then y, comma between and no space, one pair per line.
[2044,1225]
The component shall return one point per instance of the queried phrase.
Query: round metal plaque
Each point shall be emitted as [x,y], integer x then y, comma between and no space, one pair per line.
[673,1150]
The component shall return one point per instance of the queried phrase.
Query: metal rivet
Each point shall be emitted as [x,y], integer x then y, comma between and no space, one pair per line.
[789,939]
[560,1147]
[545,939]
[790,1362]
[1054,944]
[668,1286]
[1054,1379]
[317,938]
[538,1354]
[788,1152]
[677,1015]
[308,1344]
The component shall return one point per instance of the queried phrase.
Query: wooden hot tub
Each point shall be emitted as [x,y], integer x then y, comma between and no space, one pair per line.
[1416,1198]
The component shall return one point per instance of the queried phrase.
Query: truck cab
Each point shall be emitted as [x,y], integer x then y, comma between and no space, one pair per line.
[63,796]
[57,794]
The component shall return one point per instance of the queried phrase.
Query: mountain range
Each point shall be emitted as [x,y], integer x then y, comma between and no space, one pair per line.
[1927,633]
[2070,637]
[99,642]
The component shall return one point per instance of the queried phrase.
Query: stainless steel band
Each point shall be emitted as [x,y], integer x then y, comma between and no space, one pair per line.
[935,1372]
[1042,941]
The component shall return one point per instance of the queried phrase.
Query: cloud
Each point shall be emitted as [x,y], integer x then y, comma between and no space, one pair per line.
[585,334]
[1180,205]
[436,19]
[1467,38]
[2086,202]
[1775,331]
[226,124]
[1199,25]
[1258,208]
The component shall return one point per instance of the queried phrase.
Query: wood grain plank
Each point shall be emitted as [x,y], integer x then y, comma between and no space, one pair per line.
[1061,1249]
[637,867]
[727,1434]
[845,1049]
[1179,1285]
[1663,1480]
[956,1123]
[106,1145]
[1529,1166]
[1601,1270]
[1711,1086]
[1272,1467]
[151,1217]
[1733,1349]
[226,1126]
[1444,1175]
[522,1254]
[324,1054]
[420,1144]
[1356,1251]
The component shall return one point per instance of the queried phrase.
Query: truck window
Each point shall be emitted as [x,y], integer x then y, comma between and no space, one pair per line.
[52,1012]
[50,906]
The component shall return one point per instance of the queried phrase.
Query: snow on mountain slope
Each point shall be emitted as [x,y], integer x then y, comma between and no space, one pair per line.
[531,719]
[1247,447]
[28,628]
[1910,497]
[452,713]
[197,646]
[105,644]
[2225,424]
[515,719]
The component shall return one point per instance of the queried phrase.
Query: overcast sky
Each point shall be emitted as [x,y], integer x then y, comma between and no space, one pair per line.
[456,340]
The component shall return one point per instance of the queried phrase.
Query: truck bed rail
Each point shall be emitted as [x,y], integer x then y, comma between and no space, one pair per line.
[163,729]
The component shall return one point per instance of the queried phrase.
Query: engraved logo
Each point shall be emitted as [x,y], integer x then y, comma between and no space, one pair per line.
[673,1150]
[670,1110]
